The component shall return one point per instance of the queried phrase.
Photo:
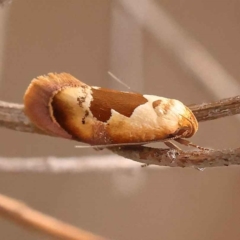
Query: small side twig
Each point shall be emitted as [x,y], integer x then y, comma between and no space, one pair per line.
[218,109]
[20,213]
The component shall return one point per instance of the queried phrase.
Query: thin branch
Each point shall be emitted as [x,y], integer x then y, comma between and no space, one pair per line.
[21,214]
[174,158]
[12,116]
[218,109]
[109,163]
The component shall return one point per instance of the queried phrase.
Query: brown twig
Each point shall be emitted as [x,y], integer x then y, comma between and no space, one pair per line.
[174,158]
[213,110]
[12,116]
[22,214]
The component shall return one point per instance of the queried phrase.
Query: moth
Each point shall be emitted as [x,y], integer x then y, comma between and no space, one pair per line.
[63,106]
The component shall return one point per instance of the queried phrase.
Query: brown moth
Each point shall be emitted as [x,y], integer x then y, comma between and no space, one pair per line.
[61,105]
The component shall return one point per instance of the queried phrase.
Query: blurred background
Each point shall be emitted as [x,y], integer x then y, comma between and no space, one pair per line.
[188,50]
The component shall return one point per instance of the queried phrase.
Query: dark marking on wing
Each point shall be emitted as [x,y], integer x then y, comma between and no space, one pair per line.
[156,103]
[123,102]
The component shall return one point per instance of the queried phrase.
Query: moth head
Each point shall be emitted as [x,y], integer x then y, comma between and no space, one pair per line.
[179,118]
[188,124]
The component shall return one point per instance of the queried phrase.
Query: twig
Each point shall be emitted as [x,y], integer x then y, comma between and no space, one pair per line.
[20,213]
[145,155]
[173,158]
[12,116]
[214,110]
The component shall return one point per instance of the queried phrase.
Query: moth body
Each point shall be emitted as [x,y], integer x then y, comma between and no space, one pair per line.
[61,105]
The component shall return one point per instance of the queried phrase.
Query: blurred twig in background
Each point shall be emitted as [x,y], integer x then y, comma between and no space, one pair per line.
[4,2]
[20,213]
[187,51]
[67,165]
